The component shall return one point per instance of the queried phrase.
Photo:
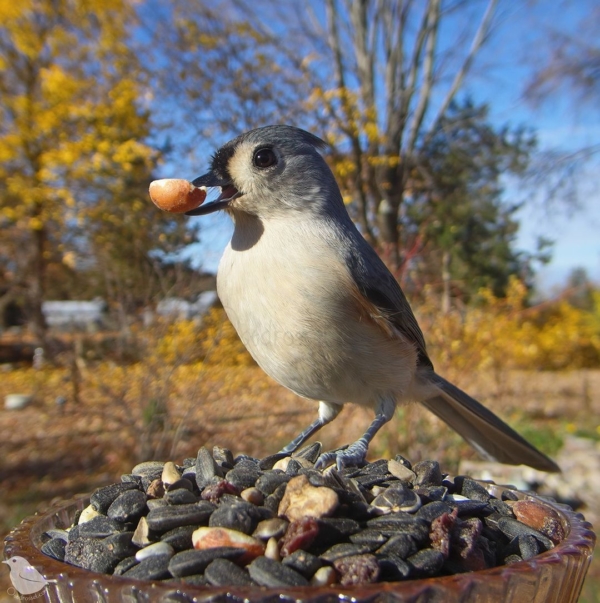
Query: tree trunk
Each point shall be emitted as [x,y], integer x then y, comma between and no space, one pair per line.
[37,288]
[446,282]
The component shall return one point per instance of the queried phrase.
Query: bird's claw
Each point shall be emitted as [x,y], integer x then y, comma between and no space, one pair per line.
[352,456]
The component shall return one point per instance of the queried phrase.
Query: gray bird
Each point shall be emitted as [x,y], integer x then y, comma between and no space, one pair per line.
[318,309]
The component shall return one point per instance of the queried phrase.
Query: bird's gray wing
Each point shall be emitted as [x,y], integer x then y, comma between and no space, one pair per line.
[383,298]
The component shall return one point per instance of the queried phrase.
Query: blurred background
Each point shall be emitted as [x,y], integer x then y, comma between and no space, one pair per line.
[465,137]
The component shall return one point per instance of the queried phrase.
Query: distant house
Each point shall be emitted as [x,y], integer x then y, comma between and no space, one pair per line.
[88,315]
[176,308]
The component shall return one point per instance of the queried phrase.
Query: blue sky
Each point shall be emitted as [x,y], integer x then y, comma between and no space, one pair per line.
[498,78]
[558,122]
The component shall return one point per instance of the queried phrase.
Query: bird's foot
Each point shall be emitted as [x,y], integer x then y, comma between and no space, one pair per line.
[353,456]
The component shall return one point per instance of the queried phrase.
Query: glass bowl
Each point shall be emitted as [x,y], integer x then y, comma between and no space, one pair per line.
[555,576]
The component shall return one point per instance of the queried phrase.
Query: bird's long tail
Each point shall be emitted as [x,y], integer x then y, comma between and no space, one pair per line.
[489,435]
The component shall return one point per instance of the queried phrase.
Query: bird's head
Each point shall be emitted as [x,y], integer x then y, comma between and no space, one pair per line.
[268,171]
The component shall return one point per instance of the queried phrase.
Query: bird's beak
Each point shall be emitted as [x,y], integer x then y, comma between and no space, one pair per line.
[228,193]
[5,561]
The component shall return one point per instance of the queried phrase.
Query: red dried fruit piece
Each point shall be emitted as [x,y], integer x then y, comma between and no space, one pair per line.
[441,528]
[215,491]
[540,518]
[357,569]
[299,535]
[464,544]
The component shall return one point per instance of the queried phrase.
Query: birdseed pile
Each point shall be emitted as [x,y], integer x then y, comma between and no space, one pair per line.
[278,522]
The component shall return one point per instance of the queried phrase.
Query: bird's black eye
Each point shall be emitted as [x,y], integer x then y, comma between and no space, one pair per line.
[264,158]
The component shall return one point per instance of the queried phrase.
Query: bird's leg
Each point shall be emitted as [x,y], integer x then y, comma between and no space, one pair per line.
[356,453]
[327,413]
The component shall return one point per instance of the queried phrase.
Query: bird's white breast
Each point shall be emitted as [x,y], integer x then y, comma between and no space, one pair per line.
[287,293]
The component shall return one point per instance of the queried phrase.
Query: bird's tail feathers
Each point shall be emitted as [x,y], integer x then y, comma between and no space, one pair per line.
[489,435]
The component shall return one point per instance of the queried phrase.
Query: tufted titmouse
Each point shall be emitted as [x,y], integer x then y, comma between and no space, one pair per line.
[317,308]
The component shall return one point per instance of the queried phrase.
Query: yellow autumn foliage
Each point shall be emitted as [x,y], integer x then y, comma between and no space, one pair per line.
[507,333]
[213,341]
